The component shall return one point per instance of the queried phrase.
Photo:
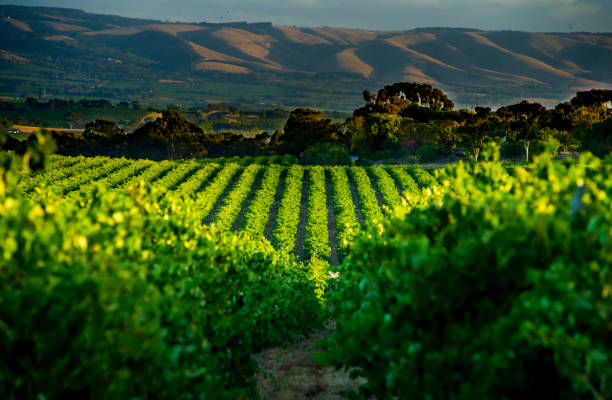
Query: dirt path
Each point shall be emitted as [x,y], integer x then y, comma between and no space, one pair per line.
[247,202]
[126,179]
[185,178]
[355,198]
[270,225]
[159,176]
[398,185]
[374,185]
[291,373]
[301,232]
[210,179]
[331,220]
[32,129]
[221,200]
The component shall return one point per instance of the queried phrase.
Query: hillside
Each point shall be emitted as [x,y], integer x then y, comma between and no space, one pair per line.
[39,46]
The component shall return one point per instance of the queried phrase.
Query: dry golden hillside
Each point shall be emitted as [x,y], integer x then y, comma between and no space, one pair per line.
[446,57]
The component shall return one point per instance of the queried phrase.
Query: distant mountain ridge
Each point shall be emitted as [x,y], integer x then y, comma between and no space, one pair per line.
[454,59]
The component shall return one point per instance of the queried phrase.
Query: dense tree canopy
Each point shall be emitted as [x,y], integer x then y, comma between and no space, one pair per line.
[396,98]
[74,119]
[422,94]
[175,130]
[306,127]
[598,137]
[102,128]
[395,122]
[522,110]
[426,118]
[170,126]
[592,97]
[382,128]
[476,133]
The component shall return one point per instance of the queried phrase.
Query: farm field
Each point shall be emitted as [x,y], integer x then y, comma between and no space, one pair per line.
[344,210]
[307,211]
[26,131]
[391,274]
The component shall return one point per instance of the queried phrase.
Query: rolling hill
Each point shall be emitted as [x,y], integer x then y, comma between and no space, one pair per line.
[78,48]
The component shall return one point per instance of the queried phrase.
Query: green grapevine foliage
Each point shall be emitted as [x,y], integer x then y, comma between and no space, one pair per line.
[499,286]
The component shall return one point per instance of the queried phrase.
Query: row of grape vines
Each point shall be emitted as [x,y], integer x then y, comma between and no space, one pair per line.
[232,196]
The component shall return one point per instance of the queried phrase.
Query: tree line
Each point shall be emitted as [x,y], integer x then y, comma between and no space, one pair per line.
[402,120]
[408,117]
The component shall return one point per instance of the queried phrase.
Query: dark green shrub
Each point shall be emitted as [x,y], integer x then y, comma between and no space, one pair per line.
[102,127]
[549,147]
[597,138]
[261,160]
[382,155]
[411,160]
[498,289]
[276,159]
[512,150]
[427,153]
[247,160]
[288,159]
[364,162]
[326,154]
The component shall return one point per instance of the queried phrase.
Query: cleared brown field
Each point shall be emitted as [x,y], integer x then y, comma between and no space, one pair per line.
[32,129]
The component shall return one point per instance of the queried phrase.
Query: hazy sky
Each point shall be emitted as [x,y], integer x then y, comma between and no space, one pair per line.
[529,15]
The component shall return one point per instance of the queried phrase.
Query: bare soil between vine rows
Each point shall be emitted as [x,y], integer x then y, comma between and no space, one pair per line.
[292,373]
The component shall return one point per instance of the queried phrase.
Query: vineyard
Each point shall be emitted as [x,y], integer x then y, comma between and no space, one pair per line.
[307,211]
[139,279]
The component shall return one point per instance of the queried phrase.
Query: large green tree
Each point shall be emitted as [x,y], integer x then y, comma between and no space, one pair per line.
[306,127]
[381,129]
[475,133]
[592,97]
[523,122]
[352,128]
[102,127]
[172,128]
[597,138]
[422,94]
[74,118]
[396,98]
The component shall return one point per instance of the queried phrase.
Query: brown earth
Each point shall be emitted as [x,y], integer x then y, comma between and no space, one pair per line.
[292,373]
[32,129]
